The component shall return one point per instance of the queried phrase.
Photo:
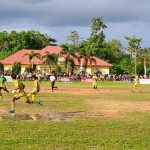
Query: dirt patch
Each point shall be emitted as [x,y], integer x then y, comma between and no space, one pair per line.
[117,108]
[3,110]
[83,91]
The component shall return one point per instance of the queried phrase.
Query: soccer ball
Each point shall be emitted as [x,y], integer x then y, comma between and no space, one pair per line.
[13,91]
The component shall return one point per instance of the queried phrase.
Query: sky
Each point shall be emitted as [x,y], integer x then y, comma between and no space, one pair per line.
[58,18]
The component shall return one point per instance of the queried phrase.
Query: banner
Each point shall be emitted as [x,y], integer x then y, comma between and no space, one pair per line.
[144,81]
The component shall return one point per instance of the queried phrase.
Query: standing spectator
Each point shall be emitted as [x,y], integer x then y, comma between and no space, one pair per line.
[43,75]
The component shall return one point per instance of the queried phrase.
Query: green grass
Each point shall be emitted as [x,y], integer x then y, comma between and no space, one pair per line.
[130,132]
[103,134]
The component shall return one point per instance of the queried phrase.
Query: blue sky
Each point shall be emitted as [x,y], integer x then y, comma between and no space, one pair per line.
[58,18]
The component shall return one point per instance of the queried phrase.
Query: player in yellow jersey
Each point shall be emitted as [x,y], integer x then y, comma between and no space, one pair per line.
[35,90]
[136,84]
[94,81]
[3,85]
[18,92]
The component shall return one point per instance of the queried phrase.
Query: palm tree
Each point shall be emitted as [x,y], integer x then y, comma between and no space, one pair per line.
[50,59]
[86,59]
[68,53]
[31,56]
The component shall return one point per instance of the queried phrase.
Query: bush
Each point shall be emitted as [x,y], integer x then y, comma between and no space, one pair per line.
[30,68]
[148,71]
[16,68]
[58,69]
[1,68]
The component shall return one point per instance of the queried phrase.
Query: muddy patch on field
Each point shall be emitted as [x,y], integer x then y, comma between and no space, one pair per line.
[53,117]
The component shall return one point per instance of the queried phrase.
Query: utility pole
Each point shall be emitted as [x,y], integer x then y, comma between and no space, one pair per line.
[145,66]
[135,61]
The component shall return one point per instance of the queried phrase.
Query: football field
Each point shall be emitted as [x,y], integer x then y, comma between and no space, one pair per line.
[77,117]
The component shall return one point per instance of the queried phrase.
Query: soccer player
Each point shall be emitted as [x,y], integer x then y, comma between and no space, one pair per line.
[35,90]
[94,79]
[3,84]
[53,79]
[136,84]
[18,92]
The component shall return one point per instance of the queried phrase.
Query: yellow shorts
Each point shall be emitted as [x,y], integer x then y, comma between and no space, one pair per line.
[94,84]
[34,92]
[137,84]
[20,95]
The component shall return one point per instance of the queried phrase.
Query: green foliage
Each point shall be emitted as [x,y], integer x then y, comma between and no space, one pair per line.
[96,41]
[32,55]
[112,52]
[125,66]
[148,71]
[68,52]
[140,69]
[73,38]
[1,67]
[16,68]
[30,68]
[97,26]
[14,41]
[58,69]
[134,44]
[50,59]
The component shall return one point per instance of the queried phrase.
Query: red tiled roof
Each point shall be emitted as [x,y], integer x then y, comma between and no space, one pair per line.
[18,56]
[99,63]
[51,49]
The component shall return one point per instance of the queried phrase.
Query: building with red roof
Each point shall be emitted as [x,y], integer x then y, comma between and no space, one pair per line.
[19,56]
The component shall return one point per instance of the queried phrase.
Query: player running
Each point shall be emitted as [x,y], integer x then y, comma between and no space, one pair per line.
[35,90]
[3,84]
[18,92]
[136,84]
[94,80]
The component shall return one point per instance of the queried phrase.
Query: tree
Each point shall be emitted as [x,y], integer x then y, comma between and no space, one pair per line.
[86,59]
[14,41]
[58,69]
[4,41]
[124,66]
[68,52]
[134,46]
[31,56]
[16,68]
[115,48]
[73,38]
[96,41]
[50,59]
[1,67]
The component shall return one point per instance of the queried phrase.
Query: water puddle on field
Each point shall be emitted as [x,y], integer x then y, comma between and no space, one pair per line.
[53,117]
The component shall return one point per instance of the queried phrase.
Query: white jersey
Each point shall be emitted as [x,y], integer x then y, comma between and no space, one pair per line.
[52,78]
